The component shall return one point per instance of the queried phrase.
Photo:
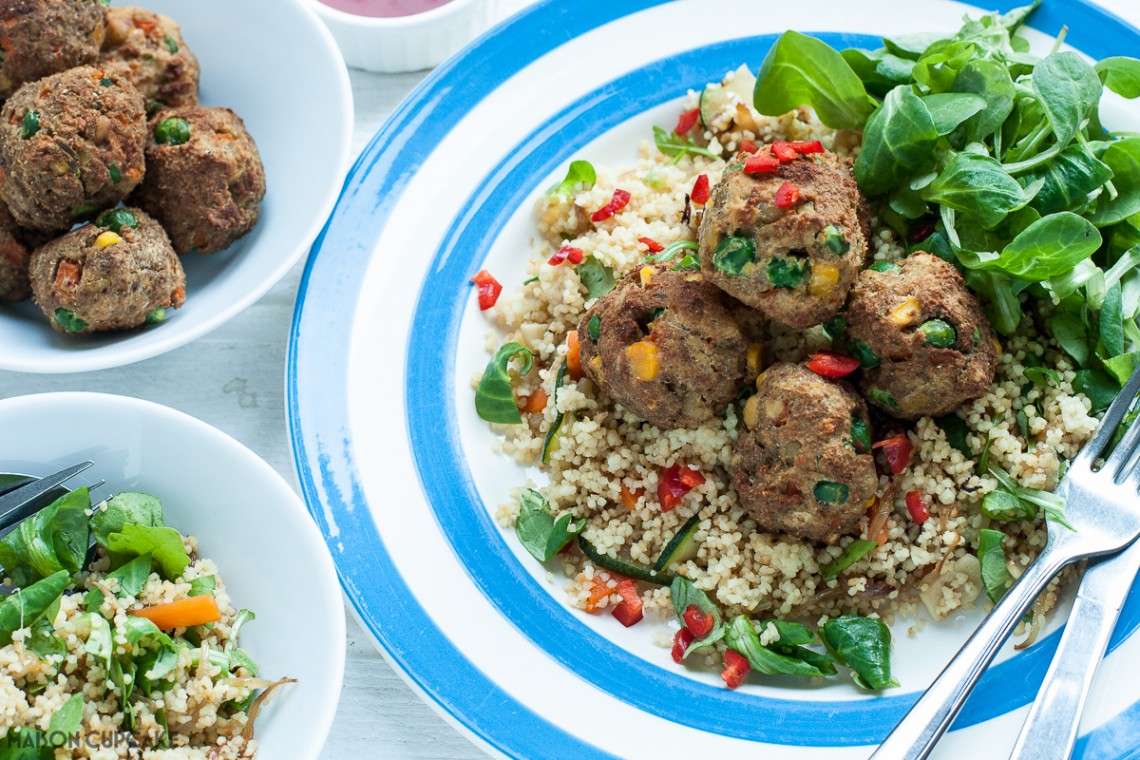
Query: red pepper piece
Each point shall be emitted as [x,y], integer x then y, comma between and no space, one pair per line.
[735,668]
[787,196]
[697,622]
[917,508]
[681,641]
[566,252]
[761,163]
[921,233]
[687,121]
[832,364]
[784,151]
[488,288]
[897,450]
[674,482]
[652,245]
[616,204]
[747,146]
[700,192]
[628,611]
[803,148]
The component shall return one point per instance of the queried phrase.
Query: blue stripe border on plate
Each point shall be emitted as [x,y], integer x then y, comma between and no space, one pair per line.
[318,356]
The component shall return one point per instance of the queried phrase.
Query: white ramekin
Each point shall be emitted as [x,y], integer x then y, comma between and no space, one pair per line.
[406,43]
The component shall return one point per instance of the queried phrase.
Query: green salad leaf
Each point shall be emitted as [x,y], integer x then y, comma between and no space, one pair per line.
[854,552]
[163,544]
[538,531]
[741,637]
[494,399]
[580,176]
[53,539]
[801,70]
[596,277]
[864,645]
[66,721]
[25,606]
[995,573]
[684,595]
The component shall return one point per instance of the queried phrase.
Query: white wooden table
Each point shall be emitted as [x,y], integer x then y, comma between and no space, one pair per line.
[233,379]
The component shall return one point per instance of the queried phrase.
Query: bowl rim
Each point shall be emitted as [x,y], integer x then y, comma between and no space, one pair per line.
[368,23]
[320,566]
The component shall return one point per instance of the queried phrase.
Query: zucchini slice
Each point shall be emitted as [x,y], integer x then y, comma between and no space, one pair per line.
[682,547]
[629,569]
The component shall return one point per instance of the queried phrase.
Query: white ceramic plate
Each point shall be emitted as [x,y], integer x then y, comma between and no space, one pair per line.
[246,518]
[277,66]
[387,336]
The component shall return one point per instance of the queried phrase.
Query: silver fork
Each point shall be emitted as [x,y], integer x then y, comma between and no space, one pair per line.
[1104,512]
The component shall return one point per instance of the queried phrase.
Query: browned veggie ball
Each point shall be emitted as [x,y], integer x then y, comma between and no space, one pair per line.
[71,145]
[665,345]
[14,285]
[116,274]
[42,37]
[925,343]
[798,467]
[204,179]
[789,243]
[147,48]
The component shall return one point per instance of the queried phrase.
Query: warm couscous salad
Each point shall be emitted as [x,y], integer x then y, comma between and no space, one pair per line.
[816,359]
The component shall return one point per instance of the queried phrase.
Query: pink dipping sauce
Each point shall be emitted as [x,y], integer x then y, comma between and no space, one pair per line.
[384,8]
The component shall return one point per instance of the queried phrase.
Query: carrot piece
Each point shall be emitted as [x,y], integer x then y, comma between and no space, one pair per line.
[196,610]
[67,275]
[599,591]
[534,403]
[573,356]
[178,296]
[630,496]
[879,531]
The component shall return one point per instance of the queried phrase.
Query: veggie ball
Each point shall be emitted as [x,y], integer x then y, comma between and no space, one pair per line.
[147,48]
[802,464]
[204,178]
[665,345]
[14,285]
[924,342]
[116,274]
[42,37]
[788,241]
[71,145]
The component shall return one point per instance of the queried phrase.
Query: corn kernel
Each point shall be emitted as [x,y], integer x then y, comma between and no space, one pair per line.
[643,360]
[646,276]
[871,502]
[752,412]
[760,378]
[107,239]
[906,312]
[596,362]
[997,346]
[754,357]
[824,278]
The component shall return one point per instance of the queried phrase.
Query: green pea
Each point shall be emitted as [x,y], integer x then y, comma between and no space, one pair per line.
[733,254]
[834,240]
[30,125]
[938,333]
[860,435]
[787,273]
[835,327]
[116,219]
[69,321]
[862,352]
[170,43]
[885,266]
[882,398]
[116,175]
[172,131]
[156,316]
[830,492]
[594,327]
[105,82]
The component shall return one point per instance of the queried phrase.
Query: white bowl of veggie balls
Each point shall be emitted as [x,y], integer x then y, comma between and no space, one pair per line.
[158,170]
[243,654]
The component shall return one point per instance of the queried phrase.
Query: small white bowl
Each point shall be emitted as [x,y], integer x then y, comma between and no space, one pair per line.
[406,43]
[246,517]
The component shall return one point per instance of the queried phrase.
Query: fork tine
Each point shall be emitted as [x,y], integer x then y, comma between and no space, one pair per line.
[1108,424]
[14,506]
[1116,462]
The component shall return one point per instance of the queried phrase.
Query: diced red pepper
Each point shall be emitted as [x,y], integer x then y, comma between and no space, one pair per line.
[698,623]
[735,668]
[488,289]
[687,121]
[628,611]
[652,245]
[787,196]
[616,204]
[784,151]
[803,148]
[832,364]
[700,192]
[897,450]
[761,163]
[674,482]
[917,508]
[566,253]
[747,146]
[681,641]
[921,233]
